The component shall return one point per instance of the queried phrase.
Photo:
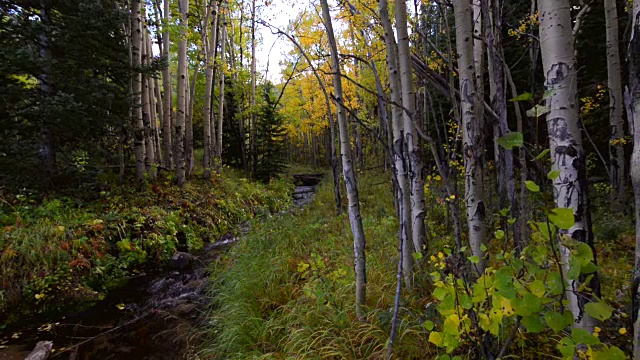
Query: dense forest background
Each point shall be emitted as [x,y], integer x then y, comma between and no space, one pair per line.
[505,134]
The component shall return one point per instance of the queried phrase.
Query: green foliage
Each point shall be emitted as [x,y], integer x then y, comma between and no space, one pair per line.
[511,140]
[286,290]
[64,252]
[88,72]
[271,136]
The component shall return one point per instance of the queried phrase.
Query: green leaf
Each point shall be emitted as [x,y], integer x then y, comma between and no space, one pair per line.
[583,253]
[533,324]
[465,302]
[499,234]
[527,96]
[483,247]
[537,111]
[436,338]
[532,186]
[527,305]
[511,140]
[598,310]
[428,325]
[612,353]
[555,283]
[562,218]
[582,336]
[439,293]
[542,154]
[474,259]
[567,347]
[553,174]
[557,321]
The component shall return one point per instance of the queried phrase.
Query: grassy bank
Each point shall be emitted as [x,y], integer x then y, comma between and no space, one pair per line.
[287,289]
[65,251]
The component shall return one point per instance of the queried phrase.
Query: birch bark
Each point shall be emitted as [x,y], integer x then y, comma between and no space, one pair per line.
[616,121]
[136,57]
[471,132]
[399,150]
[418,210]
[355,219]
[182,93]
[565,138]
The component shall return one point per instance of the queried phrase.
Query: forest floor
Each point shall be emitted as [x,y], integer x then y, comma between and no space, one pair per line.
[287,289]
[80,255]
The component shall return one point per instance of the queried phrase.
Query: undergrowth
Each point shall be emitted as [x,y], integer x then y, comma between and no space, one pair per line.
[287,289]
[64,251]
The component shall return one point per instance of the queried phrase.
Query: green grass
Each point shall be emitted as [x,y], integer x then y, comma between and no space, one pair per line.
[286,290]
[67,251]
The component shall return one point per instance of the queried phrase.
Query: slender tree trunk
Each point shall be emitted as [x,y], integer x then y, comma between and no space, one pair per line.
[136,55]
[565,139]
[209,42]
[492,11]
[400,162]
[471,132]
[633,114]
[167,132]
[359,242]
[418,210]
[223,37]
[188,143]
[156,106]
[147,116]
[616,120]
[254,129]
[182,93]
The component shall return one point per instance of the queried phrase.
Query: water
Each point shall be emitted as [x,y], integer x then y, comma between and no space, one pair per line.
[155,316]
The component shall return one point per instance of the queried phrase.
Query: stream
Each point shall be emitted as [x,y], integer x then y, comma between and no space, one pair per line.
[155,316]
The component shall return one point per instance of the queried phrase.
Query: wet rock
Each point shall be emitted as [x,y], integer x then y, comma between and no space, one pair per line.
[181,260]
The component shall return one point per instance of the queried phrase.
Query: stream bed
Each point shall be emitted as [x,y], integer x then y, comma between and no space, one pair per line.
[157,315]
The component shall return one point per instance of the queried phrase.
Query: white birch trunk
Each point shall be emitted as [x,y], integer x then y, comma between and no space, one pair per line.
[223,40]
[209,43]
[167,132]
[399,149]
[136,57]
[565,139]
[182,93]
[147,116]
[471,132]
[359,242]
[418,209]
[616,120]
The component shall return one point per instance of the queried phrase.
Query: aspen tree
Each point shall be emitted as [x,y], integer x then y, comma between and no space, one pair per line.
[616,120]
[147,116]
[209,42]
[355,219]
[401,164]
[167,131]
[565,138]
[182,92]
[418,210]
[471,132]
[136,62]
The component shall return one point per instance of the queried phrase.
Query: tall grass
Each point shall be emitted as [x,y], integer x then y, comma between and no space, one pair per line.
[287,289]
